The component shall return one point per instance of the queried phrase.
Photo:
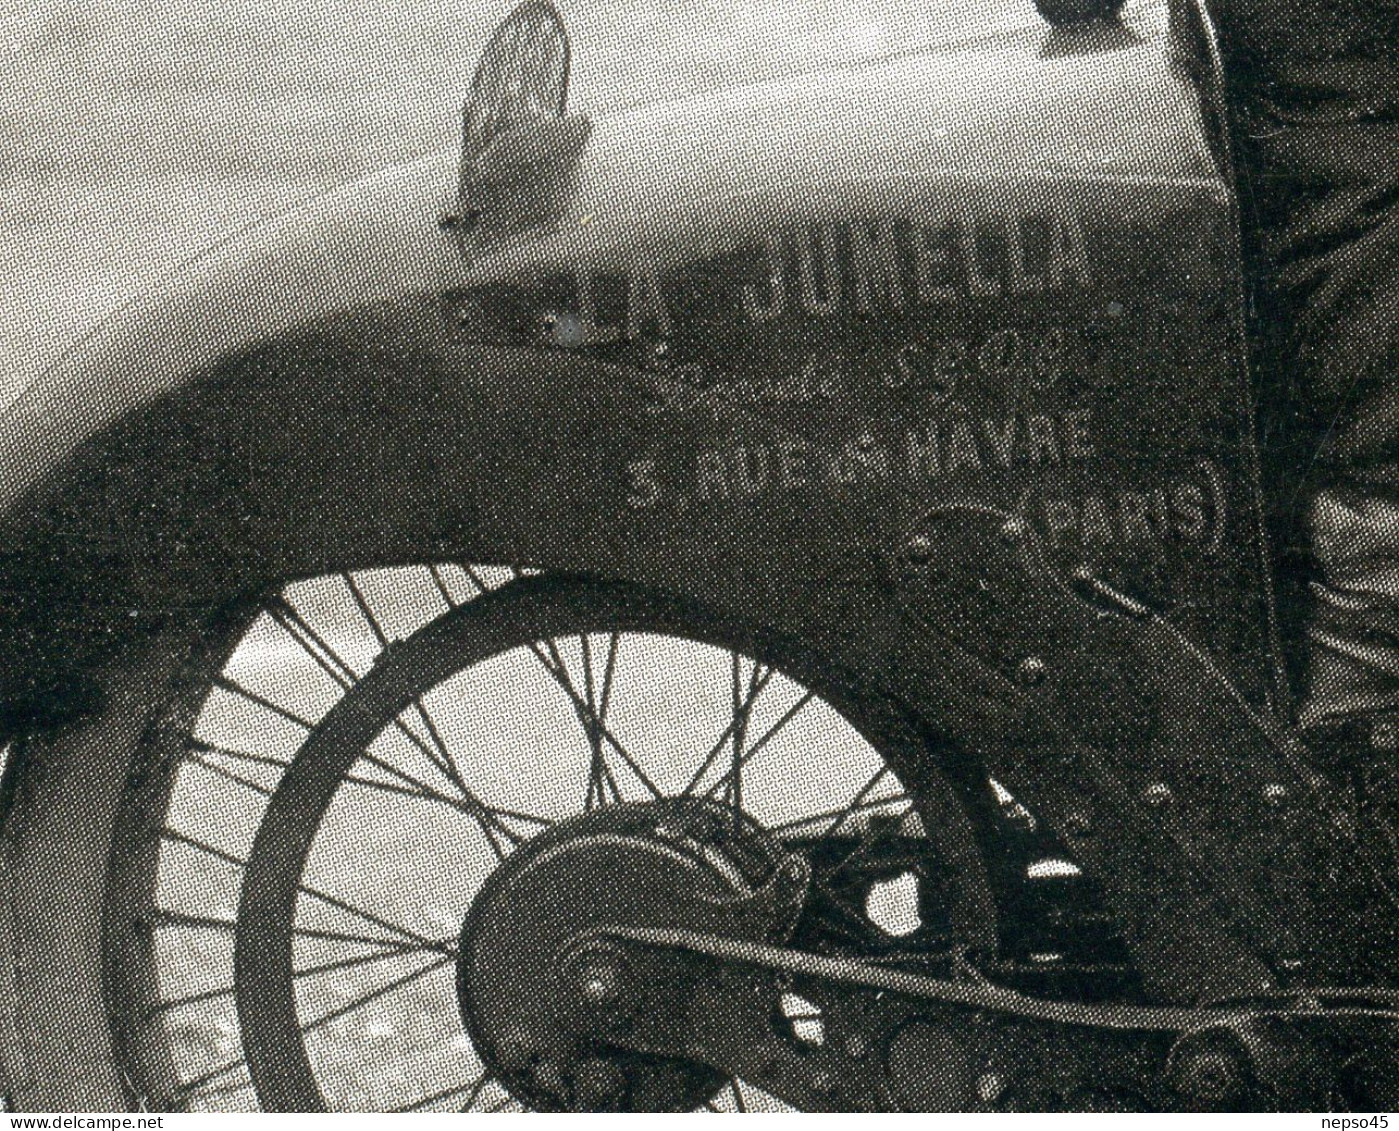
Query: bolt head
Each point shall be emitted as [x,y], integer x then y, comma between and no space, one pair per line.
[990,1086]
[597,977]
[919,550]
[1031,671]
[1014,529]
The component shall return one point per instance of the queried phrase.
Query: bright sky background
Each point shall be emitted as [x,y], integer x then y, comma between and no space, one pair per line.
[134,134]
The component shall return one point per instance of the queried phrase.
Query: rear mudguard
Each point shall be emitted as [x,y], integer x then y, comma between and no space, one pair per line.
[932,364]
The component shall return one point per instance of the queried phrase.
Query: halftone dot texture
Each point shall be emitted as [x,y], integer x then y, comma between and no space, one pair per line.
[267,411]
[480,763]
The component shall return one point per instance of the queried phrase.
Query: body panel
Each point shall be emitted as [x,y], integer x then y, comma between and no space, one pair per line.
[804,353]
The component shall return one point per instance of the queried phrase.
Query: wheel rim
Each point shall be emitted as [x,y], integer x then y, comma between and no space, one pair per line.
[338,967]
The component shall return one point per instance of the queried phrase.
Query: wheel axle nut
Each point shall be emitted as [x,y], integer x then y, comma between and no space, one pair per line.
[597,977]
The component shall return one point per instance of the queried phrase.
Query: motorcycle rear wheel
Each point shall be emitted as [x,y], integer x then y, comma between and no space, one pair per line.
[113,1002]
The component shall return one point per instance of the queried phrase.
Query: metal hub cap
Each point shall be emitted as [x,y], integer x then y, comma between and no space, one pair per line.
[537,982]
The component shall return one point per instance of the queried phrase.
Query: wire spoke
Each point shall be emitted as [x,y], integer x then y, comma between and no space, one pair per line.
[725,736]
[756,748]
[175,837]
[361,603]
[477,580]
[360,960]
[420,790]
[224,683]
[857,804]
[200,998]
[418,787]
[290,620]
[859,799]
[481,1086]
[188,1089]
[472,1090]
[435,572]
[846,812]
[161,917]
[444,758]
[437,753]
[295,625]
[406,934]
[489,818]
[469,804]
[600,776]
[586,717]
[199,745]
[224,772]
[373,996]
[609,671]
[742,705]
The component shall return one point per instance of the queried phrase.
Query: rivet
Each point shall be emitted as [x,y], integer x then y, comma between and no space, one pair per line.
[1274,794]
[919,549]
[990,1086]
[1031,671]
[1157,794]
[1013,529]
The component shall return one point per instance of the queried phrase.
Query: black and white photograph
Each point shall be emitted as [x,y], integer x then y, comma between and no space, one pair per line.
[731,556]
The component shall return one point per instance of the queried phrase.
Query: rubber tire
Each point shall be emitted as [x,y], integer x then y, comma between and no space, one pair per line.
[62,797]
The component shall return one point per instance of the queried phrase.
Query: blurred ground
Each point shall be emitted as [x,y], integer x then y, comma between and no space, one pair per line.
[132,135]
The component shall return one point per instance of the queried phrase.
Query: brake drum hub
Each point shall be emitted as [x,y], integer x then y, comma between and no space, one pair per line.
[537,981]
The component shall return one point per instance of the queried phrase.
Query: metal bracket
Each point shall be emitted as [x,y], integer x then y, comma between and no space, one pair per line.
[518,144]
[895,1039]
